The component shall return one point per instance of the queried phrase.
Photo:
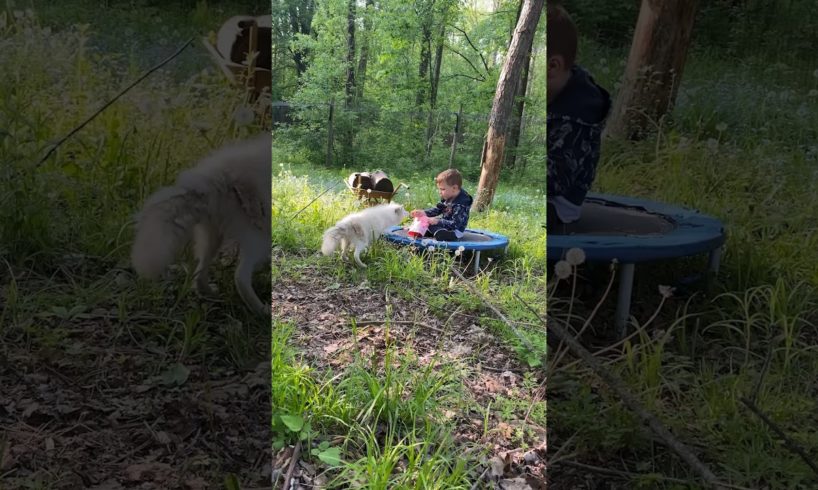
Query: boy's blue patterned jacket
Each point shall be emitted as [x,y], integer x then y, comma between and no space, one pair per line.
[575,121]
[453,215]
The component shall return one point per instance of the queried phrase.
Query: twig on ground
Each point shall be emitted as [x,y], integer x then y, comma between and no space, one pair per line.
[497,312]
[629,475]
[363,323]
[621,390]
[788,442]
[479,478]
[293,463]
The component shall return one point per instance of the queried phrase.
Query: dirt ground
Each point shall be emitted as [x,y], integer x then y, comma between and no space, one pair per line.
[90,401]
[323,310]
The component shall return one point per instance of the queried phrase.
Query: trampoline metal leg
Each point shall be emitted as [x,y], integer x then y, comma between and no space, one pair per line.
[623,301]
[713,260]
[476,262]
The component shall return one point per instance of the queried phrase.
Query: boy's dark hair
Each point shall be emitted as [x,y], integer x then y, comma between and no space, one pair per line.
[561,34]
[450,177]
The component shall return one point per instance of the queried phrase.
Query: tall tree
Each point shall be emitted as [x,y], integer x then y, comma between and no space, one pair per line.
[350,83]
[426,14]
[349,86]
[291,18]
[434,82]
[654,70]
[515,131]
[504,100]
[366,38]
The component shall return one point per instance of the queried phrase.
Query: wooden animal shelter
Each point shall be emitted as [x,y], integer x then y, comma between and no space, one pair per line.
[243,51]
[372,188]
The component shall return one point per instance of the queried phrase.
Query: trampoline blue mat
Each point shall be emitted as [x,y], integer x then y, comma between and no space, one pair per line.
[635,230]
[472,240]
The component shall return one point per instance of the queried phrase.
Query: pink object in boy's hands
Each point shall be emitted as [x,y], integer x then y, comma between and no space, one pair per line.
[419,227]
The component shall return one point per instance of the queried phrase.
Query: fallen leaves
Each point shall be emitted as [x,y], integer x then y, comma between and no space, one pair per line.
[324,316]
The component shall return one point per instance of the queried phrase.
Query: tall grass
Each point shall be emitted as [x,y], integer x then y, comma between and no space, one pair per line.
[394,418]
[740,146]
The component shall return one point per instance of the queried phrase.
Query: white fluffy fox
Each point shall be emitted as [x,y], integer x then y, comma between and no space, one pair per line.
[358,230]
[225,197]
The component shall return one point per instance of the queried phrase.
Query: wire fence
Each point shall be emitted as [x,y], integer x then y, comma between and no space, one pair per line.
[370,134]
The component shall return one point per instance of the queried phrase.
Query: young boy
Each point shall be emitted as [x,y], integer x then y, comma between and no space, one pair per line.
[451,215]
[576,110]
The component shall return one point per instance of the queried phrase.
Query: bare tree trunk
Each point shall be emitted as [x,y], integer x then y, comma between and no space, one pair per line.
[524,117]
[456,135]
[504,101]
[350,84]
[348,133]
[655,65]
[423,68]
[364,58]
[300,16]
[430,123]
[517,120]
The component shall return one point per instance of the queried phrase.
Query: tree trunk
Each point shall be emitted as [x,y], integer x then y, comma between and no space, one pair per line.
[654,70]
[504,100]
[300,16]
[348,133]
[364,37]
[350,85]
[434,81]
[423,68]
[517,121]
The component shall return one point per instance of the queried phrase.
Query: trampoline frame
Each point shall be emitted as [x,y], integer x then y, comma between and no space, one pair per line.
[476,247]
[694,233]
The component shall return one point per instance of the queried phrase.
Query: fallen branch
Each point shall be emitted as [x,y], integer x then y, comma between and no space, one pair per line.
[788,442]
[479,478]
[116,97]
[618,386]
[613,381]
[363,323]
[293,463]
[631,476]
[497,312]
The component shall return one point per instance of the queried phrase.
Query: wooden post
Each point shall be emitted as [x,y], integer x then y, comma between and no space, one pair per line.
[456,134]
[330,131]
[654,70]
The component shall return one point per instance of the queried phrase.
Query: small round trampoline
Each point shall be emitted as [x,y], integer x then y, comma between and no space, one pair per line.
[475,240]
[632,231]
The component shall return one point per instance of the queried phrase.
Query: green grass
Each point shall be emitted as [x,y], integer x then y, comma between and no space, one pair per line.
[740,146]
[66,224]
[386,413]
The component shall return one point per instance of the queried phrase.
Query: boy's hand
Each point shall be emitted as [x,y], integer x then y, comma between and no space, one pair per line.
[417,213]
[434,221]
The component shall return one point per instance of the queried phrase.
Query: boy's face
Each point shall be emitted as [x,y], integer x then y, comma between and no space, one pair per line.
[447,191]
[557,75]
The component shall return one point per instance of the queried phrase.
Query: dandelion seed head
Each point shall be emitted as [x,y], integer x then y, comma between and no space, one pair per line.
[666,291]
[575,256]
[563,269]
